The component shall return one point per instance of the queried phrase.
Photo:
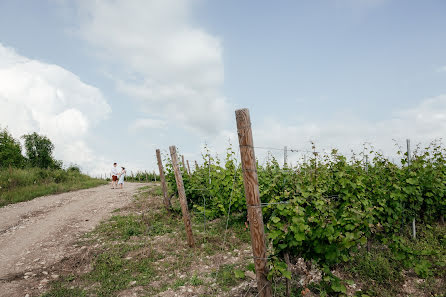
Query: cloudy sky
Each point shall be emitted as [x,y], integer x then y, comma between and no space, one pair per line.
[114,80]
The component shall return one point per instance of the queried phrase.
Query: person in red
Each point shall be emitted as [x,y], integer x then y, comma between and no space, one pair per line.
[114,174]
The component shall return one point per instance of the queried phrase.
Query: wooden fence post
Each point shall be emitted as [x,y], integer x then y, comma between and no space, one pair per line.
[184,164]
[188,167]
[163,181]
[182,196]
[285,155]
[252,195]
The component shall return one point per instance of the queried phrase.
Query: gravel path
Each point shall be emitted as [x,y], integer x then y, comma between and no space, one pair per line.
[38,233]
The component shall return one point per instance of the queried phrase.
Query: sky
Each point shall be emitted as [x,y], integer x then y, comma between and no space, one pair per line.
[113,80]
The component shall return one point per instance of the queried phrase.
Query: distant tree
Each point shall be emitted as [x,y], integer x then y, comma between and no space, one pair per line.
[74,168]
[10,150]
[39,151]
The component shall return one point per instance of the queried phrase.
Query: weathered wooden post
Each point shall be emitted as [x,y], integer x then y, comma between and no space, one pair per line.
[188,167]
[163,181]
[252,195]
[285,155]
[183,163]
[182,196]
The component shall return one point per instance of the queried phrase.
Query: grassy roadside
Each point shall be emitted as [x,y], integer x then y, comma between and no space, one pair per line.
[17,185]
[142,251]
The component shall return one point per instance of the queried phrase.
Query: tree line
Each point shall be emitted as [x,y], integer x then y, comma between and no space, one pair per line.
[37,151]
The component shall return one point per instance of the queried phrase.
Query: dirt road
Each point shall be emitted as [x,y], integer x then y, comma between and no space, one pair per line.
[38,233]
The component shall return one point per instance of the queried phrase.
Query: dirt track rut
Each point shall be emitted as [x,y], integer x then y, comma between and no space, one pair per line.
[38,233]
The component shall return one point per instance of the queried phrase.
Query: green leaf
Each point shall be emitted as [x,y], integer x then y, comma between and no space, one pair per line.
[240,274]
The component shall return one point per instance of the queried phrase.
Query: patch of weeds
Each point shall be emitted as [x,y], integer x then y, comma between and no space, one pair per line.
[114,272]
[58,290]
[179,283]
[251,267]
[378,266]
[122,227]
[225,276]
[239,274]
[196,281]
[160,223]
[428,251]
[156,191]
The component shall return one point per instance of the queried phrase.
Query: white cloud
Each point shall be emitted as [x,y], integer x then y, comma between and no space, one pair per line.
[48,99]
[148,124]
[421,124]
[442,69]
[173,66]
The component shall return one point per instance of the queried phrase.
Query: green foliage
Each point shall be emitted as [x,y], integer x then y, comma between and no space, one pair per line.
[39,151]
[10,150]
[329,206]
[74,168]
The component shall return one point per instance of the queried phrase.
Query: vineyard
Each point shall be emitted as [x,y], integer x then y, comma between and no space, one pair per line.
[328,206]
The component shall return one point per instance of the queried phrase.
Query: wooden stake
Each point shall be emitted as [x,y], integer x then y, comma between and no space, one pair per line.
[182,196]
[163,181]
[184,164]
[285,155]
[252,195]
[188,167]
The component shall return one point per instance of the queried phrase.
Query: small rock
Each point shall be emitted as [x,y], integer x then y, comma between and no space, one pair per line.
[54,276]
[26,276]
[27,295]
[29,273]
[45,272]
[250,274]
[132,283]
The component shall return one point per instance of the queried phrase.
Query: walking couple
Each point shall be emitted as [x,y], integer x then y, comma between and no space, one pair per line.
[116,174]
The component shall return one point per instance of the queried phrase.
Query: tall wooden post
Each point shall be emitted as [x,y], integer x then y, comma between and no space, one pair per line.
[188,167]
[163,181]
[182,196]
[252,195]
[184,163]
[285,155]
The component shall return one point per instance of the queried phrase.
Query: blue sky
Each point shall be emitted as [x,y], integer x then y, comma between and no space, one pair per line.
[114,80]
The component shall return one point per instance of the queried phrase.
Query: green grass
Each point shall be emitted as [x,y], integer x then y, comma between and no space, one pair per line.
[17,185]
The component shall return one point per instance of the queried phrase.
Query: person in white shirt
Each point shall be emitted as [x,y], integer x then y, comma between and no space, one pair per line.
[114,174]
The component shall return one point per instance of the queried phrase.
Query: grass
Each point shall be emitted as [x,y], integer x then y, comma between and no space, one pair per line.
[18,185]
